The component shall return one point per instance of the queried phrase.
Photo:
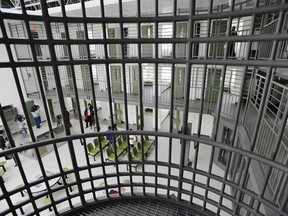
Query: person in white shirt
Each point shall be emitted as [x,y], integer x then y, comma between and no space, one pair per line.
[36,115]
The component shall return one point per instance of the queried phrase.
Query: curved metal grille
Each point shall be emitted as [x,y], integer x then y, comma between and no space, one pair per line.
[178,59]
[134,208]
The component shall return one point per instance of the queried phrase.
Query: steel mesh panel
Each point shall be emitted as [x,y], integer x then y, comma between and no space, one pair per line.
[140,208]
[190,69]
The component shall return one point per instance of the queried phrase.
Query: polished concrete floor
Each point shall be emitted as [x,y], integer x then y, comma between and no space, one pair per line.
[31,166]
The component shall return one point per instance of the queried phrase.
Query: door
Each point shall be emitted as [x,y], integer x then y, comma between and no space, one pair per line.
[65,48]
[29,105]
[218,29]
[213,84]
[181,32]
[112,47]
[37,47]
[176,122]
[179,82]
[69,76]
[86,77]
[135,80]
[147,49]
[118,112]
[116,79]
[84,68]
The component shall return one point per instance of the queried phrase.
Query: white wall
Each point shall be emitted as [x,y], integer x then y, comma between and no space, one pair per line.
[9,94]
[207,123]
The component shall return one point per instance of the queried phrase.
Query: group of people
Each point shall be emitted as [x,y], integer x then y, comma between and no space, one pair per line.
[89,116]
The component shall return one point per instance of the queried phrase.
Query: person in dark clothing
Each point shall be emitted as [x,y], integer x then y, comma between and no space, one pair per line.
[2,141]
[68,117]
[115,127]
[231,44]
[89,115]
[109,137]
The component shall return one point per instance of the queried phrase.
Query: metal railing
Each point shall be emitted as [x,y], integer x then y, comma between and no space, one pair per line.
[64,60]
[93,180]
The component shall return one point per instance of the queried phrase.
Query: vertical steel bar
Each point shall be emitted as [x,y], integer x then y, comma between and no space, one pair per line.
[2,185]
[156,95]
[171,108]
[90,68]
[60,96]
[140,89]
[109,94]
[17,160]
[239,106]
[93,95]
[125,93]
[192,5]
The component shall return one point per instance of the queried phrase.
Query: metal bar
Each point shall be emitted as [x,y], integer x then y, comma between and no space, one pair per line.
[140,90]
[60,96]
[9,135]
[90,73]
[192,5]
[172,92]
[109,94]
[125,96]
[276,148]
[228,163]
[263,104]
[228,62]
[156,94]
[108,81]
[93,96]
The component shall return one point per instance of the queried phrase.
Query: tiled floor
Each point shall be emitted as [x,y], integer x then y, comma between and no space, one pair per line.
[31,166]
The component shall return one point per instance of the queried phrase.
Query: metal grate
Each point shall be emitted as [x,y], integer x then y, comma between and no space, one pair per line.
[154,54]
[130,208]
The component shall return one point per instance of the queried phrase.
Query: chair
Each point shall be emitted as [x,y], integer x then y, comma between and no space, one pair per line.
[136,154]
[111,154]
[132,158]
[69,181]
[104,141]
[18,186]
[2,163]
[92,150]
[145,148]
[96,143]
[47,201]
[124,138]
[21,209]
[148,140]
[121,144]
[1,177]
[65,169]
[127,181]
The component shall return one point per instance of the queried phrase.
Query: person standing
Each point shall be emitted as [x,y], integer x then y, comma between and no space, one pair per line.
[20,119]
[109,137]
[89,115]
[231,44]
[67,113]
[2,141]
[35,110]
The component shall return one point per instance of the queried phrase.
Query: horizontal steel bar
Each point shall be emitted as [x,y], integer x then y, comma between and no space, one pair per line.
[152,133]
